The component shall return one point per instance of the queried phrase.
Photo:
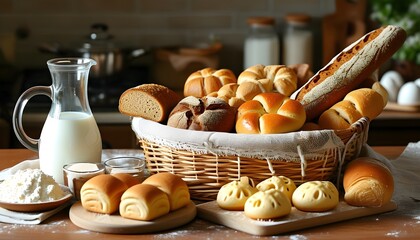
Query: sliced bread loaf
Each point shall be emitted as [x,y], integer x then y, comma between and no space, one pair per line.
[149,101]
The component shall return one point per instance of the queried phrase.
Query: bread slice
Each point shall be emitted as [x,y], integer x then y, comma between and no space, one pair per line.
[149,101]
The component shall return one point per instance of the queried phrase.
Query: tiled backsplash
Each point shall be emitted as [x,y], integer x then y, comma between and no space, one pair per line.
[138,23]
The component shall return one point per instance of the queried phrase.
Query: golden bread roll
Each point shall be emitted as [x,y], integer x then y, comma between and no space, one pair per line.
[367,182]
[228,94]
[348,69]
[270,113]
[173,185]
[259,78]
[127,178]
[144,202]
[268,204]
[206,81]
[315,196]
[102,193]
[203,114]
[233,195]
[149,101]
[281,183]
[362,102]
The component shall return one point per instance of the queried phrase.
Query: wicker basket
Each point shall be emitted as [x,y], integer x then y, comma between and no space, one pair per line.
[206,171]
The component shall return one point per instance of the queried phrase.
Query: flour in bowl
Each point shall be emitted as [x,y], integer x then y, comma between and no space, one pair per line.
[30,186]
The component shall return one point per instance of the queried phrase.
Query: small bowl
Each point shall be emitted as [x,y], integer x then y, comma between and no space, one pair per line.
[76,174]
[127,164]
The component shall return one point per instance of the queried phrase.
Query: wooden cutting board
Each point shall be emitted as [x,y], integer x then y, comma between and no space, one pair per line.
[116,224]
[296,220]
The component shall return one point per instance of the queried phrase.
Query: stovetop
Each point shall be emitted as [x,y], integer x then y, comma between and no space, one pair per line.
[103,93]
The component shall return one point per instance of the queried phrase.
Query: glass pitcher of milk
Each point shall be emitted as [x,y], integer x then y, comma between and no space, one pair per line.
[70,133]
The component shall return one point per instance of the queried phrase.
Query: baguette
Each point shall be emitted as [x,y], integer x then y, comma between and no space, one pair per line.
[348,69]
[149,101]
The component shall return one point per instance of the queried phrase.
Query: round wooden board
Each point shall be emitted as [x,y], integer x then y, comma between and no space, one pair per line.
[116,224]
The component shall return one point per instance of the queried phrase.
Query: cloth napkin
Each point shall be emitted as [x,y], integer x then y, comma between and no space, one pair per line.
[8,216]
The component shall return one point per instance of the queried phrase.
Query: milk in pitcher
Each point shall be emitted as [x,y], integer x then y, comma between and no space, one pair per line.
[71,137]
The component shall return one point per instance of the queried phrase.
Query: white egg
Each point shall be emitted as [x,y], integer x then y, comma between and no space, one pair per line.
[417,82]
[409,94]
[392,82]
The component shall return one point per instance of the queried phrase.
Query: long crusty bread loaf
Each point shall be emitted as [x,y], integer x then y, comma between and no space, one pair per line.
[348,69]
[149,101]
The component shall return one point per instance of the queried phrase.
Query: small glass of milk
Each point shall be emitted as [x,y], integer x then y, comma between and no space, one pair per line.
[131,165]
[76,174]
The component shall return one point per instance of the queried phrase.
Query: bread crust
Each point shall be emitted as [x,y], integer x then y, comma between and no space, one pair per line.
[348,69]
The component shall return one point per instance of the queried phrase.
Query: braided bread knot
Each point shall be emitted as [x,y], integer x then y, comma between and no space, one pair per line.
[269,113]
[206,81]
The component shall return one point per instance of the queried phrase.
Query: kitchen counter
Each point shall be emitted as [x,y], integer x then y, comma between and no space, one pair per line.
[395,224]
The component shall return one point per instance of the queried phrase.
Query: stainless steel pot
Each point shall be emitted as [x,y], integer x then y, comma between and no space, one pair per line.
[100,47]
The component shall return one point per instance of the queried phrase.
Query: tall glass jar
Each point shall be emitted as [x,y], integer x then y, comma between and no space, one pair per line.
[297,40]
[262,43]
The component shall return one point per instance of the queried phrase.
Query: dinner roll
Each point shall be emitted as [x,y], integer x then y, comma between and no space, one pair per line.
[102,193]
[268,204]
[270,113]
[173,185]
[315,196]
[233,195]
[281,183]
[144,202]
[362,102]
[203,114]
[367,182]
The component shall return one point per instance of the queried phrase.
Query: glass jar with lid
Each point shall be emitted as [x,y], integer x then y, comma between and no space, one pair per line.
[262,43]
[297,40]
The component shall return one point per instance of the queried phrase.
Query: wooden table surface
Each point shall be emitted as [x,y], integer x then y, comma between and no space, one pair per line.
[397,224]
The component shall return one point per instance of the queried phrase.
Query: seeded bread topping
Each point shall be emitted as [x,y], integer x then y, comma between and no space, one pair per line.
[30,186]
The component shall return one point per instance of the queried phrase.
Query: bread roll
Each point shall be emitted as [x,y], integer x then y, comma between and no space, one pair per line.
[348,69]
[144,202]
[233,195]
[206,81]
[270,204]
[102,193]
[367,182]
[259,78]
[149,101]
[270,113]
[127,178]
[362,102]
[228,94]
[281,183]
[315,196]
[203,114]
[173,185]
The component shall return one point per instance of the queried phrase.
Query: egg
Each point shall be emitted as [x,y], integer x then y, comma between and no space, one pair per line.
[417,82]
[392,82]
[409,94]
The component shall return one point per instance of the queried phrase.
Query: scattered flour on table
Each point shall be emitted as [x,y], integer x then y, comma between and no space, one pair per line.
[30,186]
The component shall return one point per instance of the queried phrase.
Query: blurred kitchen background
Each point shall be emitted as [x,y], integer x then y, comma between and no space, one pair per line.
[160,41]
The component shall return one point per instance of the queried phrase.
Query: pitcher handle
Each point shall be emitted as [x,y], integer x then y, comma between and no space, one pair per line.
[20,133]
